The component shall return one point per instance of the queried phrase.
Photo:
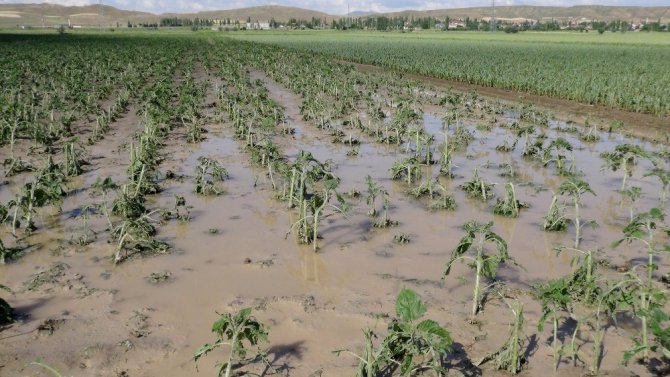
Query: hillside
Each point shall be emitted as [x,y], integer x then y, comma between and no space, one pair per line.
[598,12]
[12,15]
[261,13]
[50,14]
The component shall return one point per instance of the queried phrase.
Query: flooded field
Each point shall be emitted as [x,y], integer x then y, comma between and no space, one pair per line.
[313,193]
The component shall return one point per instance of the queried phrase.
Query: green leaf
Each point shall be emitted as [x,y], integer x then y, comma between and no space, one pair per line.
[490,266]
[406,367]
[409,306]
[331,184]
[437,335]
[204,350]
[462,247]
[243,315]
[630,353]
[656,213]
[223,325]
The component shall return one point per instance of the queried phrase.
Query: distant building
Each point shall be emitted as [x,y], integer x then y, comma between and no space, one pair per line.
[258,25]
[456,24]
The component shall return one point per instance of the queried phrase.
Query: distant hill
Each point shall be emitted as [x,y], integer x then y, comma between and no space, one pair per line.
[45,14]
[51,14]
[12,15]
[599,12]
[261,13]
[362,13]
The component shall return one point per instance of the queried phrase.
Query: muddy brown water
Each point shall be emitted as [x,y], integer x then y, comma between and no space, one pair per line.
[644,125]
[110,321]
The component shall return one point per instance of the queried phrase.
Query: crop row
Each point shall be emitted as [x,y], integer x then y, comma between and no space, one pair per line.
[600,294]
[351,108]
[622,76]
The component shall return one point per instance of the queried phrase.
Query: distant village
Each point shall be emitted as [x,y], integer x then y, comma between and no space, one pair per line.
[382,23]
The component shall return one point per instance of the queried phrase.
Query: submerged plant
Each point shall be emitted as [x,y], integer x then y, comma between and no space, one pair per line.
[385,221]
[208,172]
[402,238]
[45,189]
[555,152]
[527,148]
[576,188]
[407,169]
[624,157]
[476,187]
[508,206]
[426,188]
[72,160]
[555,221]
[136,235]
[233,330]
[445,201]
[194,128]
[308,224]
[590,136]
[446,158]
[181,211]
[373,191]
[664,176]
[484,264]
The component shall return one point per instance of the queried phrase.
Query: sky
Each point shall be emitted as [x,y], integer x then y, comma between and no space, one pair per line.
[330,6]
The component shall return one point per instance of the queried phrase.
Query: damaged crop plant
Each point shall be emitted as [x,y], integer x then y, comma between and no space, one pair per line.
[369,174]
